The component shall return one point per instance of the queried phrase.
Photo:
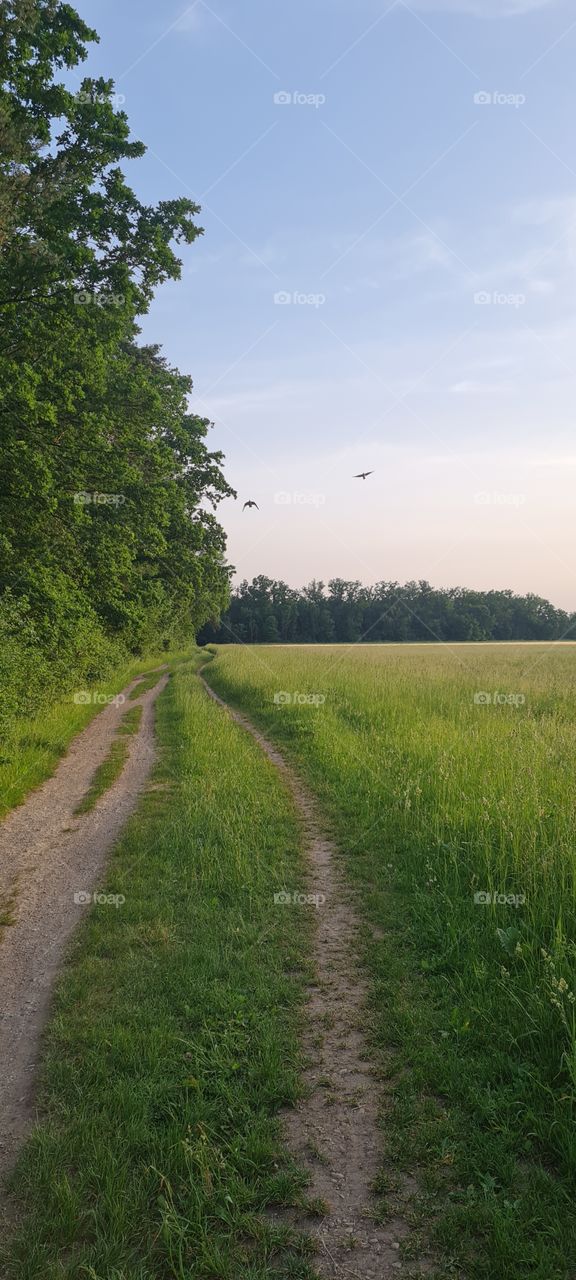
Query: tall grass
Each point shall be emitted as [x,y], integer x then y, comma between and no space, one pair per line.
[173,1042]
[436,797]
[29,753]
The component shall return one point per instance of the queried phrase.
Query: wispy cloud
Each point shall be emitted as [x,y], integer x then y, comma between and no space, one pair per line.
[481,8]
[470,388]
[566,460]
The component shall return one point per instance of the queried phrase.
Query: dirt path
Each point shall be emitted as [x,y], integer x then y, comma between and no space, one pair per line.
[47,855]
[334,1133]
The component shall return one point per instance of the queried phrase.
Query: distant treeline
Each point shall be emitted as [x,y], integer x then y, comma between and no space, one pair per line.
[265,612]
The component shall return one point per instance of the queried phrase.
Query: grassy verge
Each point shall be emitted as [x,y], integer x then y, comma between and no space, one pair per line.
[173,1041]
[105,775]
[36,745]
[131,722]
[113,764]
[149,682]
[436,792]
[7,908]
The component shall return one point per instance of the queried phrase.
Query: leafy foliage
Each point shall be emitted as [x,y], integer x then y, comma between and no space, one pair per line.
[264,611]
[106,542]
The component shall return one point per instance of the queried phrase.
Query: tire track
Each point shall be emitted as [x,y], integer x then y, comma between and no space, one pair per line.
[334,1133]
[47,855]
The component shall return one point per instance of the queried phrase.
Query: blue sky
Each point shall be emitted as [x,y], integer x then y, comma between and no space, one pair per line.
[387,278]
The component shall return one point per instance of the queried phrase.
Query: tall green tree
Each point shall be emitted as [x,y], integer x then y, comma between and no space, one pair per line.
[108,538]
[387,612]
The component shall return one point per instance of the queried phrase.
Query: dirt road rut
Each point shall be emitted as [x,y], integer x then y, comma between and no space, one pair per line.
[47,856]
[335,1133]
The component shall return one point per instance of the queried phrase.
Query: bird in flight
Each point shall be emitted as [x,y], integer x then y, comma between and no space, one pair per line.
[250,503]
[362,475]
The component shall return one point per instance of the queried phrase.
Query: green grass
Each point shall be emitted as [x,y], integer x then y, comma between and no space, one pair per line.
[148,682]
[105,775]
[434,797]
[7,910]
[173,1041]
[131,721]
[37,744]
[113,764]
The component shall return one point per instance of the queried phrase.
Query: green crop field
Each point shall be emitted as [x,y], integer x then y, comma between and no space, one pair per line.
[447,775]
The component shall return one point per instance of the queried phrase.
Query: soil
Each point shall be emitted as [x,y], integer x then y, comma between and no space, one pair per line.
[47,856]
[335,1132]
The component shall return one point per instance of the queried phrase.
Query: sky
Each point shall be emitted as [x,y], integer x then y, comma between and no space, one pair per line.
[387,275]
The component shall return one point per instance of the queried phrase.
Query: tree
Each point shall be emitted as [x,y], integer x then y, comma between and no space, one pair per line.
[386,612]
[108,539]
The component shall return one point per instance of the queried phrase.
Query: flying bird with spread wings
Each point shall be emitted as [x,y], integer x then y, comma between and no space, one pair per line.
[362,475]
[250,503]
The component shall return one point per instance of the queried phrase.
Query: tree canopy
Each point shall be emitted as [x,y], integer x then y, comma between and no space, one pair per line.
[108,539]
[265,611]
